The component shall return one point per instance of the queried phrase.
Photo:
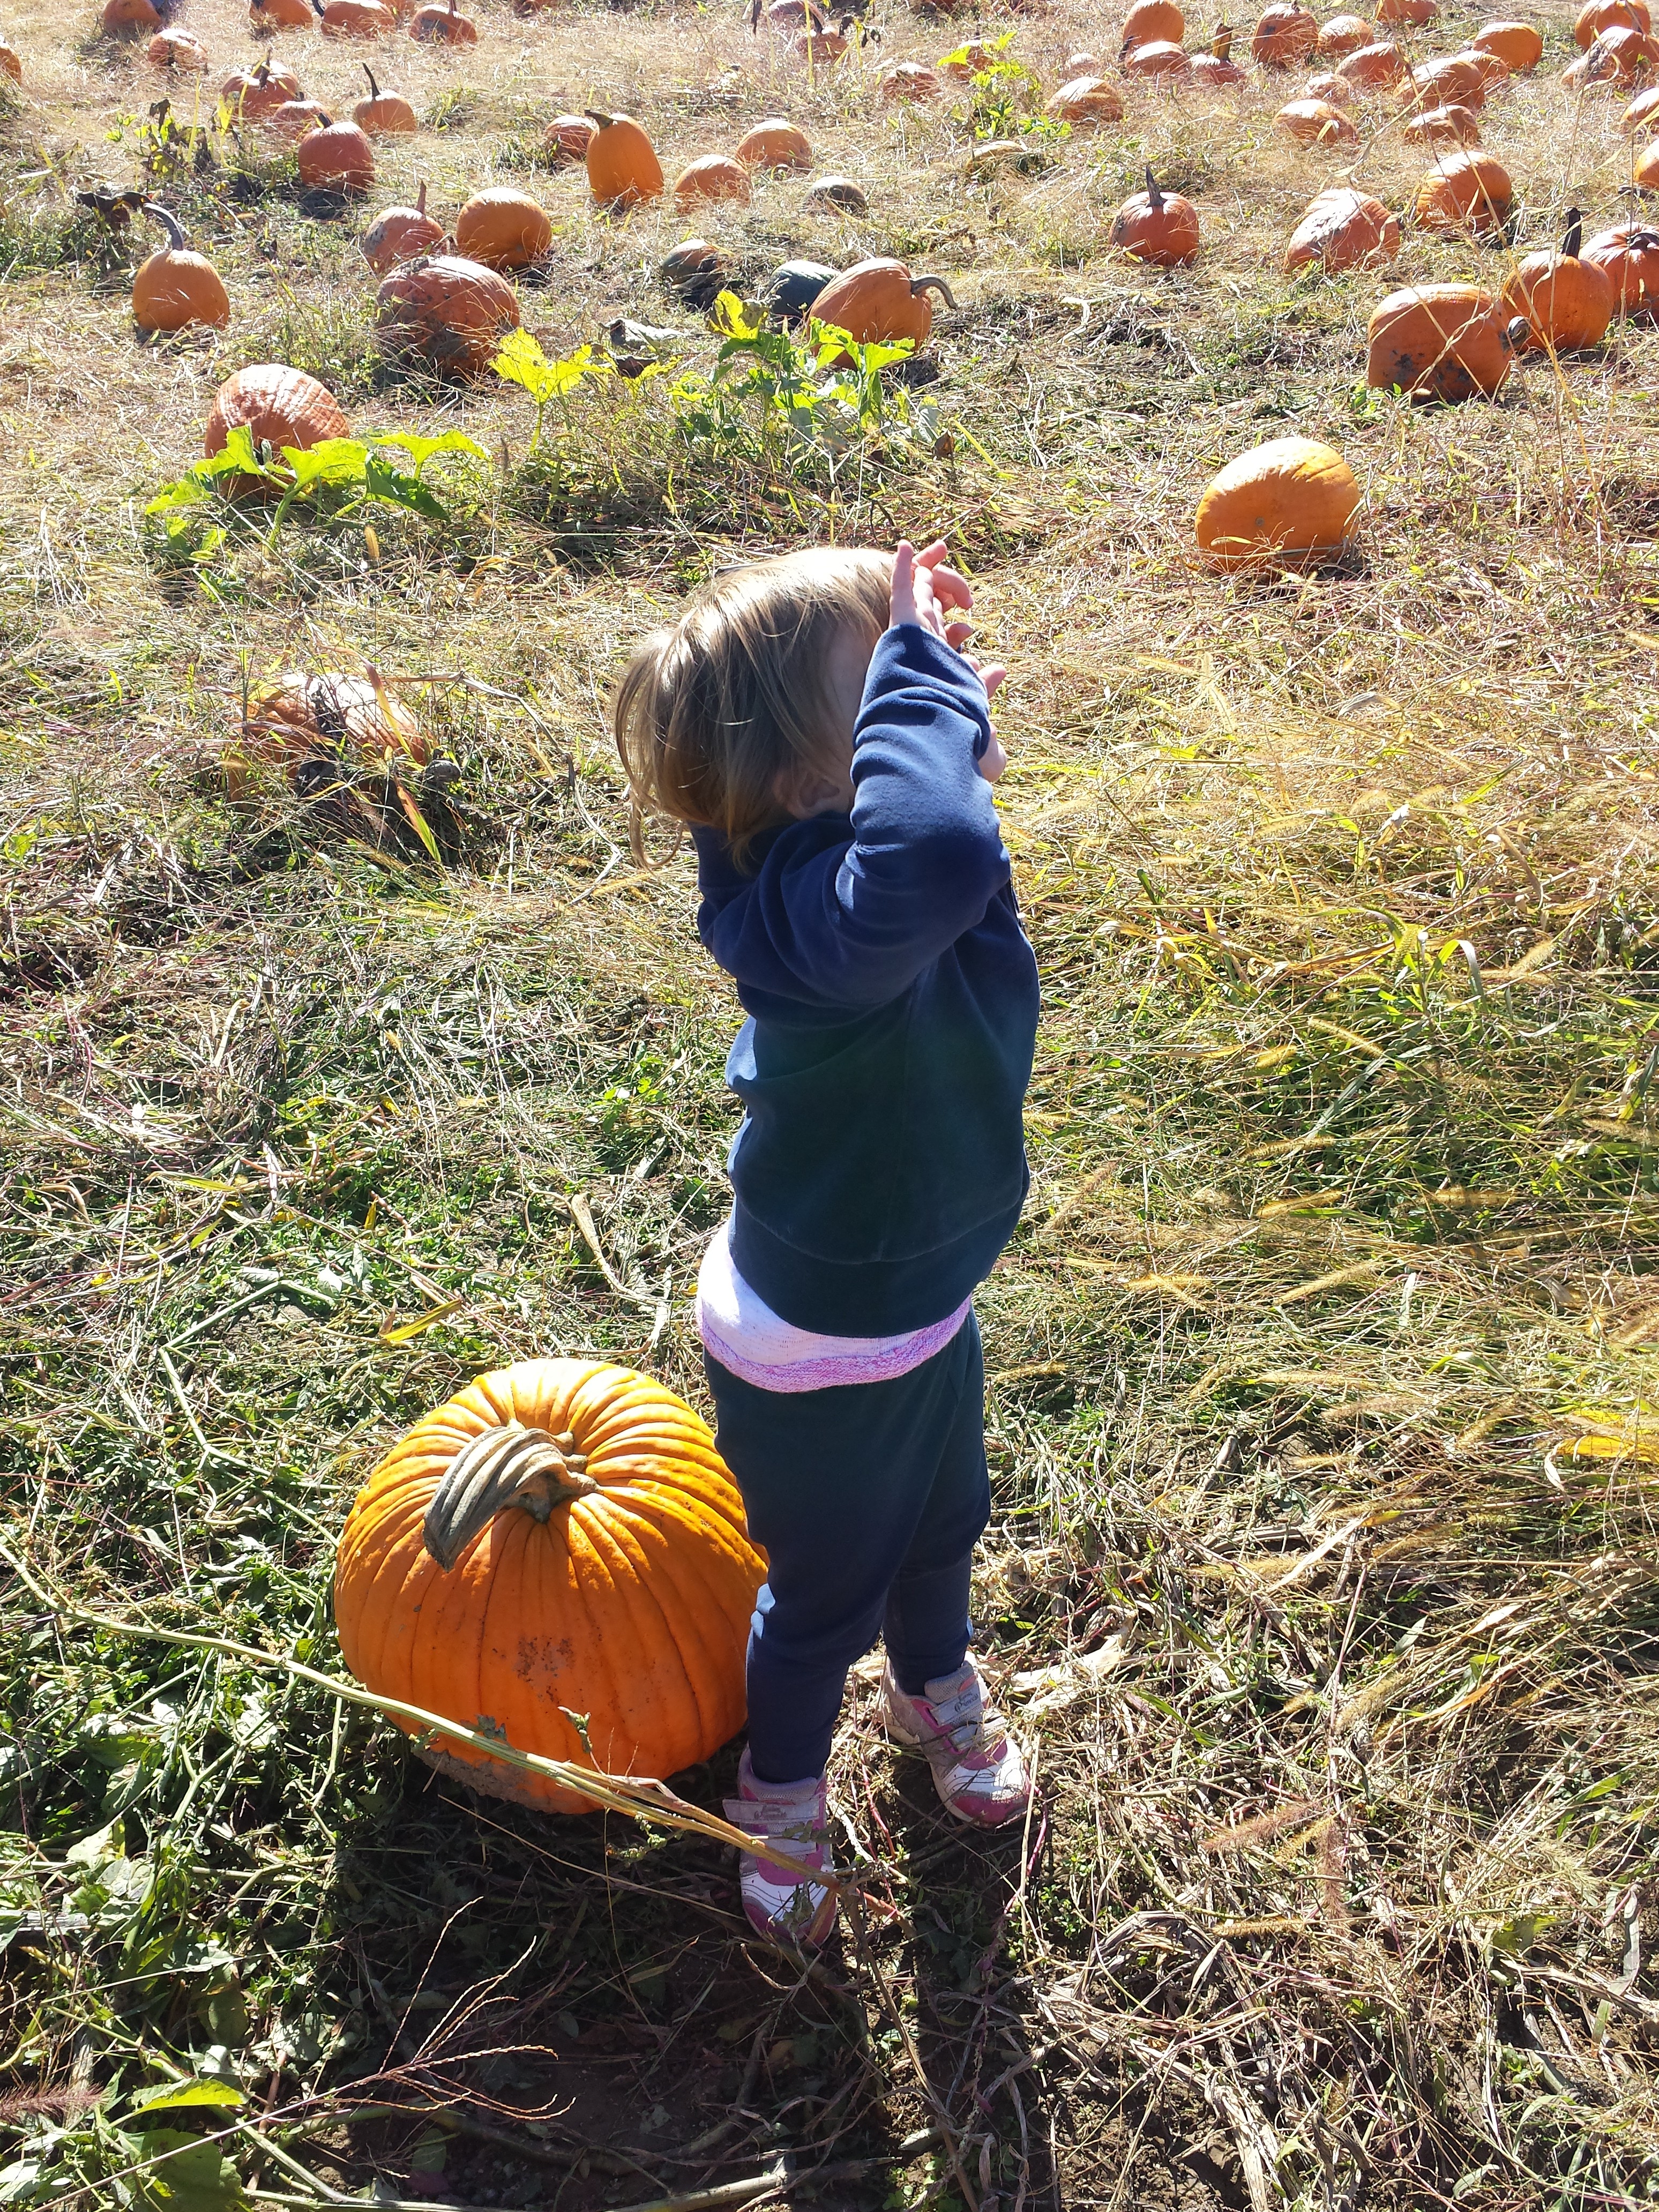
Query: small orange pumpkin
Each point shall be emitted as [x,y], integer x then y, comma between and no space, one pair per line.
[1086,103]
[566,140]
[1468,191]
[1415,12]
[1343,228]
[1328,86]
[1598,15]
[279,15]
[1444,126]
[278,407]
[123,18]
[710,177]
[1286,34]
[1492,71]
[503,227]
[334,157]
[290,122]
[175,289]
[1565,303]
[1518,45]
[450,310]
[1217,69]
[1371,69]
[1628,257]
[251,97]
[11,63]
[1156,227]
[622,168]
[912,81]
[354,19]
[176,49]
[1618,57]
[601,1492]
[398,233]
[1154,19]
[352,720]
[1159,57]
[1437,342]
[383,114]
[1290,500]
[443,26]
[880,301]
[1316,123]
[1445,84]
[1643,113]
[775,144]
[1343,34]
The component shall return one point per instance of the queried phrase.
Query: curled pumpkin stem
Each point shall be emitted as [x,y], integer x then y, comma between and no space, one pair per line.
[920,284]
[169,223]
[373,88]
[597,117]
[510,1466]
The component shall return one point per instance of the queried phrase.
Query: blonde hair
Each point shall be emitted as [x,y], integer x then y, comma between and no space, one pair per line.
[711,708]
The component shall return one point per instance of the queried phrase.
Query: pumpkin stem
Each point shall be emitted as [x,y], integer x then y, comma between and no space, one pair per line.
[420,198]
[920,284]
[502,1467]
[598,115]
[169,223]
[373,88]
[1222,45]
[1154,196]
[1575,237]
[262,74]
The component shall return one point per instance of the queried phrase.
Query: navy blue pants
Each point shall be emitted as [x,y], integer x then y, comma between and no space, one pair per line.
[868,1500]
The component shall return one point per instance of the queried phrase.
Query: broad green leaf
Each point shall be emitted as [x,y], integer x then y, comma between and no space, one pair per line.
[236,458]
[734,320]
[381,481]
[420,450]
[172,2096]
[331,460]
[189,491]
[521,360]
[181,2173]
[98,1850]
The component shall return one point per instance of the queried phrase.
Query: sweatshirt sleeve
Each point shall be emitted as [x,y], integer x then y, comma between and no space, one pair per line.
[856,923]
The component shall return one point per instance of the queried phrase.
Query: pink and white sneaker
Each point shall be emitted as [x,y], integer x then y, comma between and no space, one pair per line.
[978,1770]
[778,1904]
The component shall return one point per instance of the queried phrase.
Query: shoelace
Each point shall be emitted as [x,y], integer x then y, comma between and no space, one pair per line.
[969,1719]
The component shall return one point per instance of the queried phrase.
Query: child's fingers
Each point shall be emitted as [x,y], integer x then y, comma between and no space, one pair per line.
[957,634]
[951,588]
[904,583]
[993,679]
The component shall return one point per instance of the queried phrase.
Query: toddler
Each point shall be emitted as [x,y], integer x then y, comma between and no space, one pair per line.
[818,723]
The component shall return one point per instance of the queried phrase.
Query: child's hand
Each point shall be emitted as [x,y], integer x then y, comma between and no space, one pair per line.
[928,592]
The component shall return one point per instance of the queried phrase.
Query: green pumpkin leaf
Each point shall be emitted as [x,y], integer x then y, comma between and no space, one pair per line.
[733,320]
[174,2096]
[182,2173]
[420,450]
[331,460]
[403,489]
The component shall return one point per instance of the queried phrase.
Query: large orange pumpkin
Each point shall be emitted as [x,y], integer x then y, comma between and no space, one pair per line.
[279,15]
[279,407]
[1316,123]
[1085,102]
[774,144]
[1468,191]
[1565,303]
[710,177]
[1156,227]
[1642,114]
[561,1539]
[1148,20]
[1159,57]
[1289,499]
[1598,15]
[352,720]
[503,227]
[1444,126]
[443,27]
[448,308]
[1344,34]
[336,157]
[252,96]
[1407,11]
[383,114]
[880,301]
[1373,68]
[1343,228]
[1217,69]
[1437,342]
[1284,35]
[1517,45]
[622,168]
[175,289]
[123,17]
[1628,257]
[398,233]
[354,19]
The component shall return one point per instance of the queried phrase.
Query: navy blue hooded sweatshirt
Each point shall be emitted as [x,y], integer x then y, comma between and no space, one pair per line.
[892,997]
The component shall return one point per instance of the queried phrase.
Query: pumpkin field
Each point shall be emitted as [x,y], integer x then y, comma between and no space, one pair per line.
[372,376]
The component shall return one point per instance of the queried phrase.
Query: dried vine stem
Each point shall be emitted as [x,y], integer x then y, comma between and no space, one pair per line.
[649,1801]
